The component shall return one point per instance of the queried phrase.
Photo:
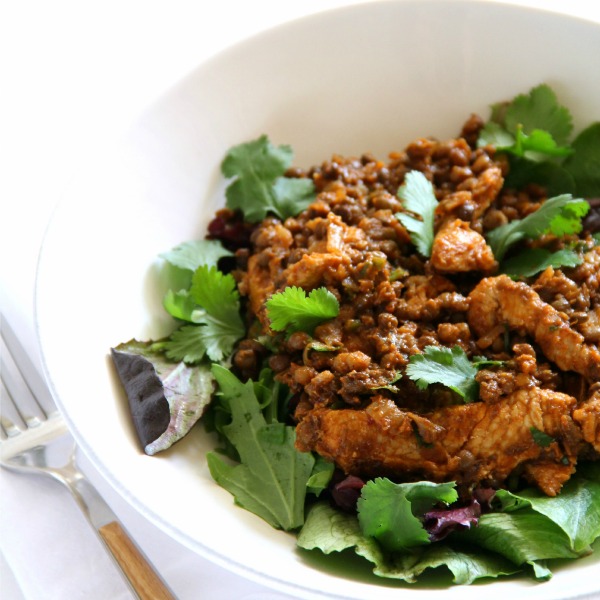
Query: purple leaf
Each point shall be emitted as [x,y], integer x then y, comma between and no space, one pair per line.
[345,493]
[439,523]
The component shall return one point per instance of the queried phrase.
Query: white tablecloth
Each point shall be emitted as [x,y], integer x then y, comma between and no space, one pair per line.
[75,73]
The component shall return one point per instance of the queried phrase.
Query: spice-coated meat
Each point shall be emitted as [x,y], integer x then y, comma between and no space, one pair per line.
[472,443]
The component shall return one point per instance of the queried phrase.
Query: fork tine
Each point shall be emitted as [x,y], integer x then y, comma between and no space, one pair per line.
[27,407]
[10,420]
[30,372]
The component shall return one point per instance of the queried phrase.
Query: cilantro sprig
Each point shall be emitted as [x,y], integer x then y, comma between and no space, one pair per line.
[560,215]
[533,122]
[292,310]
[534,130]
[448,366]
[259,186]
[191,254]
[418,199]
[216,316]
[536,260]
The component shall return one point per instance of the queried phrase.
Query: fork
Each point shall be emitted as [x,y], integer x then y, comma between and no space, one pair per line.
[34,438]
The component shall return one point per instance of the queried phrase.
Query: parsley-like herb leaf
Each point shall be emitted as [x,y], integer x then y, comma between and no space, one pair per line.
[271,478]
[259,186]
[560,215]
[418,197]
[292,310]
[534,126]
[181,306]
[530,262]
[539,109]
[190,255]
[183,260]
[537,145]
[392,512]
[219,324]
[584,164]
[450,367]
[540,438]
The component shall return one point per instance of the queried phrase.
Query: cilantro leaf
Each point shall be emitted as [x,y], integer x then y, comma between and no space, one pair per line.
[551,175]
[494,134]
[418,197]
[292,310]
[537,145]
[271,478]
[560,215]
[292,196]
[259,187]
[584,164]
[450,367]
[539,109]
[190,255]
[181,305]
[531,262]
[216,293]
[391,512]
[219,324]
[183,260]
[540,438]
[533,130]
[186,344]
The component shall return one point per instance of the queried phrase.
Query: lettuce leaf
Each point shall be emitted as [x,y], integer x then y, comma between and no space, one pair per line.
[166,398]
[576,510]
[331,531]
[527,532]
[271,478]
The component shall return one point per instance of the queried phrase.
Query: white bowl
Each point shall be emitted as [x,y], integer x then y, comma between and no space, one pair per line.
[365,78]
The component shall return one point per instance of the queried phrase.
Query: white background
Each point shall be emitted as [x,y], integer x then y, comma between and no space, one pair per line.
[74,74]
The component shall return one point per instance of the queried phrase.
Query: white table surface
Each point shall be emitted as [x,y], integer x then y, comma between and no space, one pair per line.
[74,74]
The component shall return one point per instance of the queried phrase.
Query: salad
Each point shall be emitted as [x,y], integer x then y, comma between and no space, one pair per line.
[398,358]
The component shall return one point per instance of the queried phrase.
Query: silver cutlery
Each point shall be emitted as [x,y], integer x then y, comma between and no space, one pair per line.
[34,439]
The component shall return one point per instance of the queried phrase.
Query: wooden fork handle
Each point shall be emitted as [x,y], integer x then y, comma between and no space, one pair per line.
[146,583]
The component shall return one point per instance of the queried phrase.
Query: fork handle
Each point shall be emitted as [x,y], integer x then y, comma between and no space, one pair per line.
[134,565]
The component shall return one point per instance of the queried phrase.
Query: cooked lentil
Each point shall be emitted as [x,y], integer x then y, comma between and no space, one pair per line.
[348,402]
